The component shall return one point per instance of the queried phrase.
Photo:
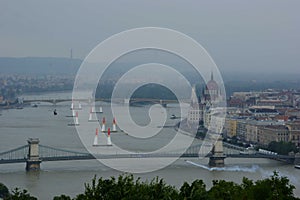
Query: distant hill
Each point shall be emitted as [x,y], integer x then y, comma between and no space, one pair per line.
[39,65]
[234,80]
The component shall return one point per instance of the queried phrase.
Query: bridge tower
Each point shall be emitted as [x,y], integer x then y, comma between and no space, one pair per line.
[33,160]
[161,102]
[218,157]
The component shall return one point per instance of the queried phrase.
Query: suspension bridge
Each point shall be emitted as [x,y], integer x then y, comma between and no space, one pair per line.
[34,153]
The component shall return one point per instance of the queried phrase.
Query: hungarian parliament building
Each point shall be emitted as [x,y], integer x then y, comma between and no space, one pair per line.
[201,111]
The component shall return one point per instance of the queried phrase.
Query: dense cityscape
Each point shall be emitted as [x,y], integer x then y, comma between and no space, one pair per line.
[256,117]
[12,86]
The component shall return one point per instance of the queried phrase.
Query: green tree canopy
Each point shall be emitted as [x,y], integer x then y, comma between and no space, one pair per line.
[4,192]
[125,187]
[282,147]
[18,194]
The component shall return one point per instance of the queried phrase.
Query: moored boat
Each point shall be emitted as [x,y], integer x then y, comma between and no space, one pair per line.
[173,116]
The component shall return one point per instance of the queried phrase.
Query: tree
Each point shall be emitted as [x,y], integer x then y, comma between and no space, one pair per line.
[126,188]
[282,147]
[62,197]
[225,190]
[194,191]
[275,187]
[247,187]
[185,191]
[4,192]
[18,194]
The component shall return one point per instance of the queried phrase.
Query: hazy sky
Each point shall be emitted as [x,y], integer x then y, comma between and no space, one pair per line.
[254,35]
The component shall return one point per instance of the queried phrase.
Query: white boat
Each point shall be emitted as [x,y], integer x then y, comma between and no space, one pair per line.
[173,116]
[297,166]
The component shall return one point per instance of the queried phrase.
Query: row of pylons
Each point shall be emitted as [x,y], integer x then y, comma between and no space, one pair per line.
[108,138]
[114,125]
[94,119]
[103,130]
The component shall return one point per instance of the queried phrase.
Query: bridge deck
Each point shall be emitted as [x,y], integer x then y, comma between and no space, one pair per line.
[54,154]
[132,100]
[166,155]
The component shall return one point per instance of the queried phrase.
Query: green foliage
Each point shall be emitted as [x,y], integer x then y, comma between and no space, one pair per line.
[275,187]
[4,192]
[225,190]
[18,194]
[194,191]
[62,197]
[127,188]
[282,147]
[200,134]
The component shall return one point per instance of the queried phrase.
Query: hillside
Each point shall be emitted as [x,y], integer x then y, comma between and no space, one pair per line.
[39,65]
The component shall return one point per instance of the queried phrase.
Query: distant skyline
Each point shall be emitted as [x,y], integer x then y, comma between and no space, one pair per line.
[257,35]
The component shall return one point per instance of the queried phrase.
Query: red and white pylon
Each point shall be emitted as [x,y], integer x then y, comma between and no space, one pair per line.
[114,128]
[108,137]
[76,119]
[103,125]
[90,116]
[96,138]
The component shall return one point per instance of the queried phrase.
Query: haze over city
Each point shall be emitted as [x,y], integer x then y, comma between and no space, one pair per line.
[240,36]
[140,99]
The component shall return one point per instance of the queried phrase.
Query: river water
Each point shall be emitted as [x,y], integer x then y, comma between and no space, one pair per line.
[68,177]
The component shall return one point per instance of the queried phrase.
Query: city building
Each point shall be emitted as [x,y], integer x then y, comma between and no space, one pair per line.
[270,133]
[195,113]
[230,127]
[200,109]
[252,127]
[294,129]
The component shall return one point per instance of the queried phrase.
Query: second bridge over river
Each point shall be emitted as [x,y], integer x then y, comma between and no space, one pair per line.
[55,101]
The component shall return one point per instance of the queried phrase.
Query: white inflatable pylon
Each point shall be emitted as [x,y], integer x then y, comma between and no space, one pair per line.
[108,137]
[103,125]
[96,138]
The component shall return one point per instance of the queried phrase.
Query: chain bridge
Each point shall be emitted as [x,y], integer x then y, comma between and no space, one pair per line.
[34,153]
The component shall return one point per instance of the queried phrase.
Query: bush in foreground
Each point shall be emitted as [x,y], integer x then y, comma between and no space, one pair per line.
[126,187]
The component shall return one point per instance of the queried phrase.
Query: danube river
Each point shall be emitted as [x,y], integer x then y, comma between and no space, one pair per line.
[68,177]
